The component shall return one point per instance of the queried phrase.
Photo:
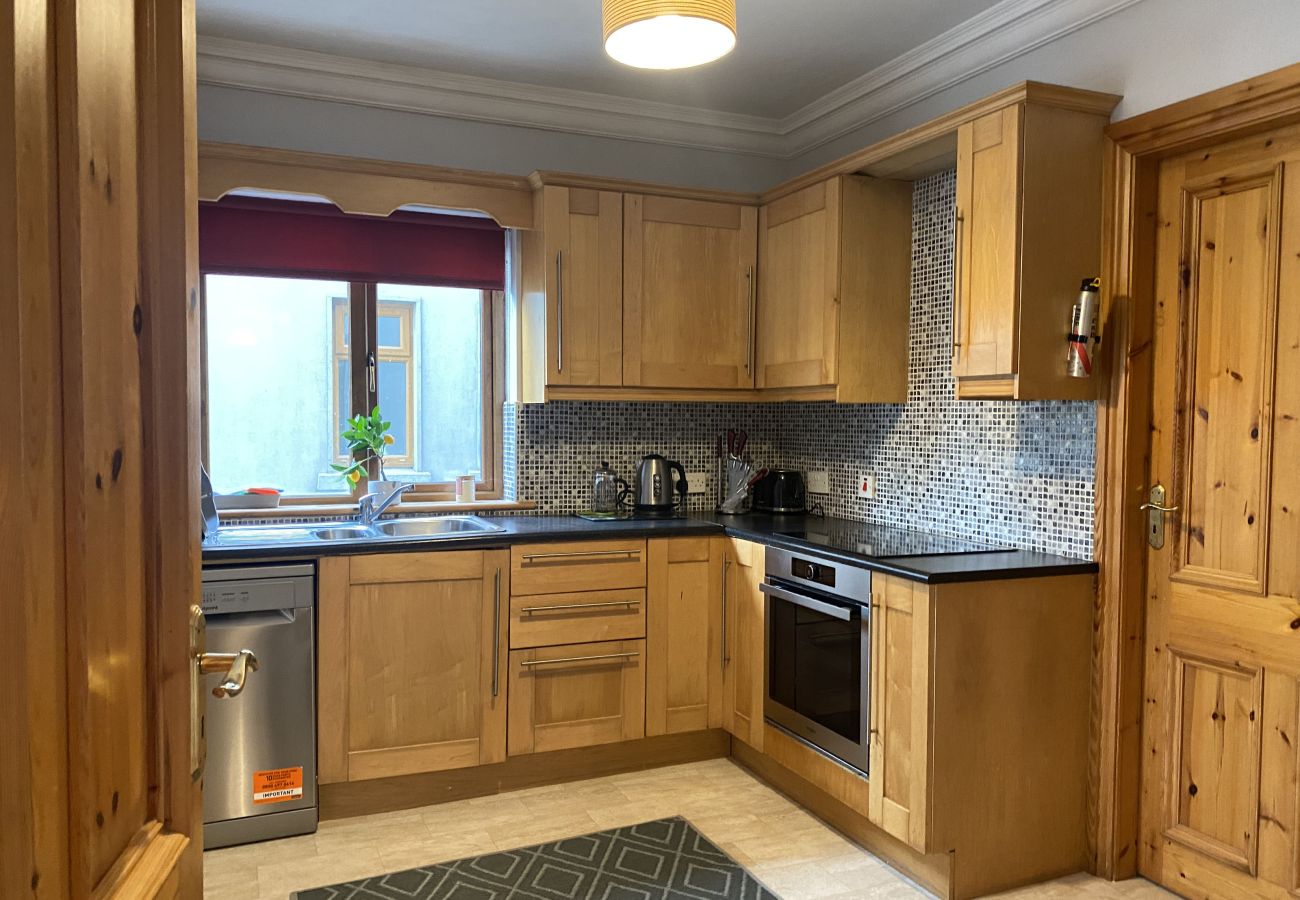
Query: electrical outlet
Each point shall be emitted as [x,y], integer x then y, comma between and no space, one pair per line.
[867,487]
[819,483]
[697,482]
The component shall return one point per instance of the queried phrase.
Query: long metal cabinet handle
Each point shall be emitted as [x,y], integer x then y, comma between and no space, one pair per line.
[749,353]
[559,311]
[726,651]
[566,606]
[572,659]
[959,227]
[585,554]
[496,632]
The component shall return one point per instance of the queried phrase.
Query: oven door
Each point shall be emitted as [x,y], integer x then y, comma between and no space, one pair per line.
[818,670]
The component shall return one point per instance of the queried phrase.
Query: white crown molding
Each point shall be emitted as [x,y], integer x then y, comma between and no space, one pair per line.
[999,34]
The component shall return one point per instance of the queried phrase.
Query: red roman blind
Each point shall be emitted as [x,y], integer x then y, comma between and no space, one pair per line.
[255,236]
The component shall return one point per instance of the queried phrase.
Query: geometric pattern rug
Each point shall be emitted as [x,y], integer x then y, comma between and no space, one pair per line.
[662,860]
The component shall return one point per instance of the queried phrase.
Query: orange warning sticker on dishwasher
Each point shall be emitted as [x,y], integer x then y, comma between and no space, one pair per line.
[277,785]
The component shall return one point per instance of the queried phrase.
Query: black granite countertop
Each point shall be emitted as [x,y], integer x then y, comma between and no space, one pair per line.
[910,554]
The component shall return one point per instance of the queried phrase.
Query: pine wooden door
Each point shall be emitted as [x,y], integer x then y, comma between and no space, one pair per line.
[798,288]
[583,232]
[683,636]
[688,293]
[421,647]
[1222,718]
[100,763]
[988,241]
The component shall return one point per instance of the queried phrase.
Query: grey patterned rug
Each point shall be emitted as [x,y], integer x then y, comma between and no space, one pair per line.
[662,860]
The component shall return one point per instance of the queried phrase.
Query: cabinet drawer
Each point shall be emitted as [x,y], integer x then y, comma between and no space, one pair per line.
[544,620]
[577,566]
[576,695]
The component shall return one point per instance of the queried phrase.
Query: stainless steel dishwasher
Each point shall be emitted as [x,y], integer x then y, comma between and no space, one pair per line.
[261,768]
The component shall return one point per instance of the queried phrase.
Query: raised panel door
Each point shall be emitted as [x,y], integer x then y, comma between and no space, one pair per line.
[688,293]
[1219,808]
[684,661]
[987,256]
[798,286]
[900,708]
[583,232]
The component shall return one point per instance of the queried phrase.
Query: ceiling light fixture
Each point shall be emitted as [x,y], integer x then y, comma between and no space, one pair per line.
[669,34]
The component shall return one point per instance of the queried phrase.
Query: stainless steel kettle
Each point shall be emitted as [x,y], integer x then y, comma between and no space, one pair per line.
[654,484]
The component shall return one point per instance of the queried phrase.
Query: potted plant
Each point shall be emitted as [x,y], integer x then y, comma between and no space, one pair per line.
[368,439]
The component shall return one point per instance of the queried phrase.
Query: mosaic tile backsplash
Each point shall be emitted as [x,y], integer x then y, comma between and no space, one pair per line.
[1019,474]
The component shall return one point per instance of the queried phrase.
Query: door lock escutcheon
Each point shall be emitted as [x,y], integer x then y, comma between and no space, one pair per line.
[1156,512]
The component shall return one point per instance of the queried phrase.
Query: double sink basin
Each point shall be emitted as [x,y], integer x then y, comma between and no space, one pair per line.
[430,528]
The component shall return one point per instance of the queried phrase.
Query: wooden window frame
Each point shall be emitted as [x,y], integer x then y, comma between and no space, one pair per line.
[363,307]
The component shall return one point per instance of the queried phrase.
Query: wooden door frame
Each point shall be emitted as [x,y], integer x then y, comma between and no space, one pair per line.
[1134,149]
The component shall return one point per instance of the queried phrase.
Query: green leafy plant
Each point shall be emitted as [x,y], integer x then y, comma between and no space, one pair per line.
[368,439]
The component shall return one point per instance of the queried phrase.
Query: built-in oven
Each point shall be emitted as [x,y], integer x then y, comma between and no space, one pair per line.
[818,653]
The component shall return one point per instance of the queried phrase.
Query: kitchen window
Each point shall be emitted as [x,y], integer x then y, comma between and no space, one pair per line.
[288,358]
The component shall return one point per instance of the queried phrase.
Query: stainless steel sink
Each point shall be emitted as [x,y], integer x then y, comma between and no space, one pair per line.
[343,533]
[435,527]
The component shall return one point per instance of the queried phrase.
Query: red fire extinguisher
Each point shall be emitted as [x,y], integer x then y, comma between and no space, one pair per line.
[1083,330]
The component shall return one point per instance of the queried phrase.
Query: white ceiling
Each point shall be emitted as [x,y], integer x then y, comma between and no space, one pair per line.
[790,53]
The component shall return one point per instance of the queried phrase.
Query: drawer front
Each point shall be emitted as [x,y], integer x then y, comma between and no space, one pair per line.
[545,620]
[576,695]
[563,568]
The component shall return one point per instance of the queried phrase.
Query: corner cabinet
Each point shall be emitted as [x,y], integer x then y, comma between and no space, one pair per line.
[412,663]
[834,290]
[688,293]
[683,635]
[745,637]
[1027,232]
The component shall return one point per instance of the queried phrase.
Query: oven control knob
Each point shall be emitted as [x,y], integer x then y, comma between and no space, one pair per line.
[814,572]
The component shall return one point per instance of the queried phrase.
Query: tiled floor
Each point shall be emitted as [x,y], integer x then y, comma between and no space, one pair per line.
[787,848]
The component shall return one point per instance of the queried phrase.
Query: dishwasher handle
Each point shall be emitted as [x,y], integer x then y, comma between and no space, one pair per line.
[235,667]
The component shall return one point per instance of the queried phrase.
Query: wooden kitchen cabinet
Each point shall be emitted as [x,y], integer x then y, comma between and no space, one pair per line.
[412,661]
[1027,232]
[834,290]
[688,293]
[576,695]
[684,662]
[746,640]
[900,707]
[581,282]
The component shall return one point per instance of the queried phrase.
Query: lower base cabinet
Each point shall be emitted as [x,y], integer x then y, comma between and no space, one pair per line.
[745,640]
[576,695]
[684,615]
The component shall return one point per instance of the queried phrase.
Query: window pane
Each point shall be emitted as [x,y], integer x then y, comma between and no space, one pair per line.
[271,397]
[392,400]
[390,331]
[343,397]
[446,374]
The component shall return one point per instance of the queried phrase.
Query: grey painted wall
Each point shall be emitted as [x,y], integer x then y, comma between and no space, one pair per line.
[1154,53]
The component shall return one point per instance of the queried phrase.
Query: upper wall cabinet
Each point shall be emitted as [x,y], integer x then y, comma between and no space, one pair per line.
[1028,230]
[688,293]
[573,278]
[834,270]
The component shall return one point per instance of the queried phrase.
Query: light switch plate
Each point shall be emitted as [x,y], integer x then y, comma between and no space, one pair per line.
[819,483]
[867,487]
[697,482]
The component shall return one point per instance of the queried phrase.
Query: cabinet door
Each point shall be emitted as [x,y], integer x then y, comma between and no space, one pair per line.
[987,258]
[798,286]
[422,639]
[683,636]
[746,641]
[576,695]
[583,232]
[688,293]
[900,717]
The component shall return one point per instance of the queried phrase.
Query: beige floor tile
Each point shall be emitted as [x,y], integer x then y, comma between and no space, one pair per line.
[783,845]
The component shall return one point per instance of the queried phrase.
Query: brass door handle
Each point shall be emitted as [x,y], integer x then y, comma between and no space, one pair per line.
[1159,508]
[235,666]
